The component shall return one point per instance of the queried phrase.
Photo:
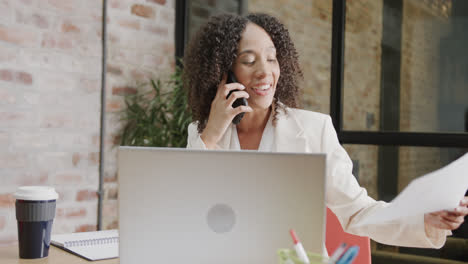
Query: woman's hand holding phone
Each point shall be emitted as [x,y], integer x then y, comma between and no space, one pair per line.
[222,113]
[231,78]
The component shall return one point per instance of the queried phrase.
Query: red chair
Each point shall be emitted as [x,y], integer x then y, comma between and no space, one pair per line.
[335,236]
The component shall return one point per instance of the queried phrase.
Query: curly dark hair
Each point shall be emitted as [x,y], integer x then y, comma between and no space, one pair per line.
[213,51]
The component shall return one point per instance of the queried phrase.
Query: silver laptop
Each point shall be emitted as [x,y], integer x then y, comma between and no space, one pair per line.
[205,207]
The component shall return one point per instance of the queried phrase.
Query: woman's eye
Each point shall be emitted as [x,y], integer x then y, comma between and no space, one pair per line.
[271,60]
[249,62]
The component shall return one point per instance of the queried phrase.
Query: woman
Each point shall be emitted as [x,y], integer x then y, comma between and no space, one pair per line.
[259,51]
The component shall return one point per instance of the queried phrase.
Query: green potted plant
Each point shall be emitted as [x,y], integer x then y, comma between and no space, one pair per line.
[157,118]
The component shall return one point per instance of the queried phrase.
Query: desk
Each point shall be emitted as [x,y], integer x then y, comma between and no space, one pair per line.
[9,255]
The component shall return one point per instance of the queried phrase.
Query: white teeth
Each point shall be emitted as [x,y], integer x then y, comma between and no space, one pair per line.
[263,87]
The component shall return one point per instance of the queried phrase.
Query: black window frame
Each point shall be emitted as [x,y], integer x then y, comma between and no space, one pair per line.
[181,26]
[388,138]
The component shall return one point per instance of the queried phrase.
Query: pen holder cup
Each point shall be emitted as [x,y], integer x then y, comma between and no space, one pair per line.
[288,256]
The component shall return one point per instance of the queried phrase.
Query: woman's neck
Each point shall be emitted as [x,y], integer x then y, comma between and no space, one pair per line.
[254,121]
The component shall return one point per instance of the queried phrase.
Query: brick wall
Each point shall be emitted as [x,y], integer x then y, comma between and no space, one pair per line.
[361,96]
[363,39]
[140,47]
[50,75]
[49,107]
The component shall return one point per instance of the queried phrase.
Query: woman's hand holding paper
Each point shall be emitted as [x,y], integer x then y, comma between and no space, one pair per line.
[449,220]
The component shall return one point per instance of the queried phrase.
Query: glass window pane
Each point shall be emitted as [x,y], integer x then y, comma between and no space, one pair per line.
[405,66]
[200,10]
[385,171]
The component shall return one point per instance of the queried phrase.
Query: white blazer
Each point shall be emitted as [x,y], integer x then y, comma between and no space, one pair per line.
[306,131]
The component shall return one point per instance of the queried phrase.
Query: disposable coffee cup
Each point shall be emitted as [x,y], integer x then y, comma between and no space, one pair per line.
[35,212]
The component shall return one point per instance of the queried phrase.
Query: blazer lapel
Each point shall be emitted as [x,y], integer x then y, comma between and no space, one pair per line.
[289,134]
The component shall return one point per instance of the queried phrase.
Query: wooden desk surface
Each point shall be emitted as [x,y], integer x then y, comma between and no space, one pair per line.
[10,255]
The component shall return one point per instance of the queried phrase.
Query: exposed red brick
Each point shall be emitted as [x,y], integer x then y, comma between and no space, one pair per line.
[113,225]
[138,74]
[76,157]
[54,41]
[172,64]
[37,20]
[6,75]
[123,90]
[68,178]
[32,178]
[153,61]
[168,16]
[112,193]
[113,69]
[65,5]
[9,116]
[17,36]
[40,21]
[59,212]
[48,42]
[143,11]
[109,140]
[168,48]
[113,38]
[116,139]
[158,30]
[114,105]
[95,139]
[110,208]
[323,16]
[86,228]
[9,160]
[161,2]
[86,195]
[23,78]
[2,222]
[57,121]
[97,17]
[93,158]
[7,200]
[74,212]
[69,27]
[90,86]
[110,177]
[132,24]
[7,97]
[118,4]
[43,177]
[7,55]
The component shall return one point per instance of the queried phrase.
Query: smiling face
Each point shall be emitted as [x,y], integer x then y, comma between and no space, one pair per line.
[256,66]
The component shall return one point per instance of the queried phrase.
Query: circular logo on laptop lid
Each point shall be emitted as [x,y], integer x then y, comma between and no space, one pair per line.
[221,218]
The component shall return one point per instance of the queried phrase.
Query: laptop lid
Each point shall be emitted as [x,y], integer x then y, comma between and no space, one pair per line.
[191,206]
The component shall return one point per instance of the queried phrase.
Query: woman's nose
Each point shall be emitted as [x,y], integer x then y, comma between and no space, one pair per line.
[262,69]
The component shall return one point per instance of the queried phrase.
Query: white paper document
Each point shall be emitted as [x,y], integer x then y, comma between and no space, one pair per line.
[439,190]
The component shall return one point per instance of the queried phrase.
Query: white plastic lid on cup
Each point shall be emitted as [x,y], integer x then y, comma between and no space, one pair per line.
[36,193]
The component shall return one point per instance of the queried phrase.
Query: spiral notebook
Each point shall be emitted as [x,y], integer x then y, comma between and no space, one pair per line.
[90,245]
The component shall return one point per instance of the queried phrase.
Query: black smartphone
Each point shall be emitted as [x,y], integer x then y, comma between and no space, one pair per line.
[238,102]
